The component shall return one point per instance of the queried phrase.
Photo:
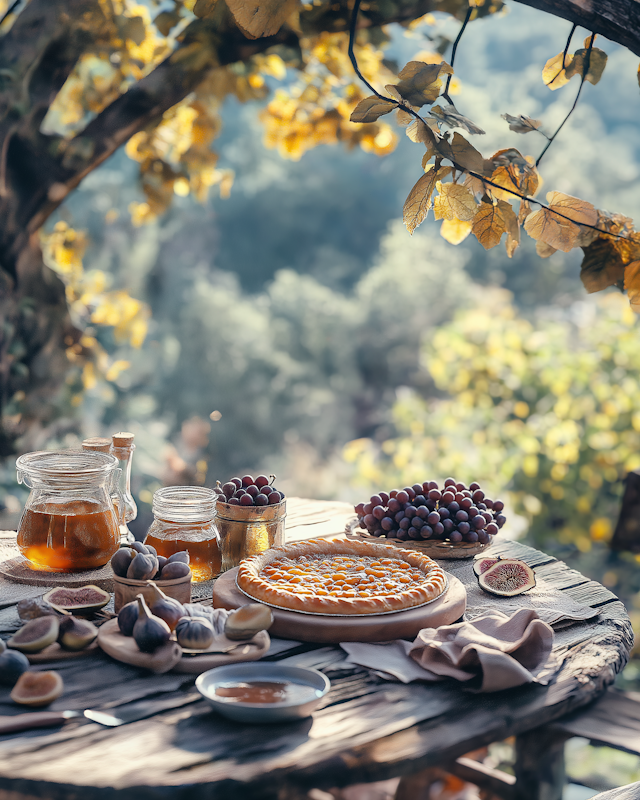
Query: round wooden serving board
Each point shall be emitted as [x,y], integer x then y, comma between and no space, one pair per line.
[372,628]
[18,570]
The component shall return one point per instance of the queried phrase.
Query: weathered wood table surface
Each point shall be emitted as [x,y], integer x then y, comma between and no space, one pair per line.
[367,729]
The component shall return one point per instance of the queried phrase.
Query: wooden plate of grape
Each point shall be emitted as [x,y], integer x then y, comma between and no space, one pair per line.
[451,521]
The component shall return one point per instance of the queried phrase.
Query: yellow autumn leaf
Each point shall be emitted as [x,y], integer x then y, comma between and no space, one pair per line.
[369,109]
[259,18]
[597,62]
[460,152]
[554,73]
[557,231]
[455,230]
[602,266]
[512,226]
[419,132]
[488,225]
[632,284]
[519,180]
[418,202]
[419,82]
[454,201]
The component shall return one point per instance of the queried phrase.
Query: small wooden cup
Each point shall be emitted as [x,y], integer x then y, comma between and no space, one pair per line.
[126,590]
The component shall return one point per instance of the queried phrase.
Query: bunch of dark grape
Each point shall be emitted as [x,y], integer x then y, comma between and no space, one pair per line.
[424,511]
[246,491]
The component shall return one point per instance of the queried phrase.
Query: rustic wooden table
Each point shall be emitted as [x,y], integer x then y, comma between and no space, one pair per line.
[367,729]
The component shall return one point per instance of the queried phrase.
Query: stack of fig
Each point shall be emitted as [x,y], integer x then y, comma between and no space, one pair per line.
[141,562]
[151,625]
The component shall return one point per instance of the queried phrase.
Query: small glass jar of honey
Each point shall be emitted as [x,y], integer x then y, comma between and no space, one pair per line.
[69,522]
[184,519]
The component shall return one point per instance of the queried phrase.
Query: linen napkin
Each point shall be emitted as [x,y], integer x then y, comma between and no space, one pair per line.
[489,653]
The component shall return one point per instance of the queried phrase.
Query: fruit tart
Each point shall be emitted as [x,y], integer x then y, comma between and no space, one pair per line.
[341,577]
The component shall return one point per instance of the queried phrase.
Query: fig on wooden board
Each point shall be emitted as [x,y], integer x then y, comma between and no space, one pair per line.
[127,618]
[37,688]
[12,665]
[194,633]
[149,632]
[35,635]
[166,608]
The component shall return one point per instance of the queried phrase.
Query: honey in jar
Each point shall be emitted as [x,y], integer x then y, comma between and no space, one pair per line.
[68,537]
[184,520]
[69,522]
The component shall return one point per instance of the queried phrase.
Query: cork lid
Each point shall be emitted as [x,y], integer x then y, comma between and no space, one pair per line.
[97,444]
[123,439]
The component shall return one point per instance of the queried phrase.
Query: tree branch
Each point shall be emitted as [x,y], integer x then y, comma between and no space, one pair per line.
[454,49]
[617,20]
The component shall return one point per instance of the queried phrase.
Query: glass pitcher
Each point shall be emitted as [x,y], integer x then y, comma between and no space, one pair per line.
[70,521]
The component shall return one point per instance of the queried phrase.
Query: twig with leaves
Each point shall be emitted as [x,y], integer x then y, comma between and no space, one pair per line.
[585,72]
[476,199]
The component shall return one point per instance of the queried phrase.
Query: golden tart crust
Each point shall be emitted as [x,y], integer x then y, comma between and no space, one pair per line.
[341,577]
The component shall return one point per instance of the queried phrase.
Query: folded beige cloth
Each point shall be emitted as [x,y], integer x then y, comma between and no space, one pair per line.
[489,653]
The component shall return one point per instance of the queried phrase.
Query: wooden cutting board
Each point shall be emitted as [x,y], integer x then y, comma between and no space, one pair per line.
[373,628]
[170,655]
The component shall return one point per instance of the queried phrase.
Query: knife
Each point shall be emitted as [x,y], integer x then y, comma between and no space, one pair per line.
[111,718]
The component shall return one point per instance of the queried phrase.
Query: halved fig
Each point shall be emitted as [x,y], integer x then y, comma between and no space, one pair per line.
[483,563]
[507,578]
[76,634]
[84,600]
[37,688]
[35,635]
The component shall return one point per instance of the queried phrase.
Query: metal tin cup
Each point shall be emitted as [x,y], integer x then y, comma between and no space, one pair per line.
[248,530]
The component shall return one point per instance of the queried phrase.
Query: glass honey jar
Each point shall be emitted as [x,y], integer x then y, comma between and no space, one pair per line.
[69,522]
[184,519]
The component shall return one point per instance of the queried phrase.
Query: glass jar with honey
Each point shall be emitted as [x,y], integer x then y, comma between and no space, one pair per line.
[184,519]
[69,521]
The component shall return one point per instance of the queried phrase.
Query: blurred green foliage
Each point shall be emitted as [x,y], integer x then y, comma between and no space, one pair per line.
[544,409]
